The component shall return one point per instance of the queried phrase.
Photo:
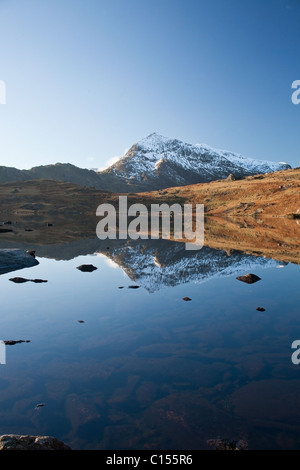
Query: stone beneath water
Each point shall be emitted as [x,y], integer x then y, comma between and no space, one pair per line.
[87,268]
[15,259]
[249,278]
[261,309]
[186,299]
[133,287]
[26,442]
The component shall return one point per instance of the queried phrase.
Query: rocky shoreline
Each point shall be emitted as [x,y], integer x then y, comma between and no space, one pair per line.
[27,442]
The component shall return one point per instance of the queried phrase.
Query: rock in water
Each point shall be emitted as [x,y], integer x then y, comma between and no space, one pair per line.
[11,342]
[86,268]
[186,299]
[14,259]
[19,280]
[26,442]
[249,278]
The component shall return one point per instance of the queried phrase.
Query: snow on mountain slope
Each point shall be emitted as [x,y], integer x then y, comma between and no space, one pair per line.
[158,161]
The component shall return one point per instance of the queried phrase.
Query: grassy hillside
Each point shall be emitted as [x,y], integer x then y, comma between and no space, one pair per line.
[258,215]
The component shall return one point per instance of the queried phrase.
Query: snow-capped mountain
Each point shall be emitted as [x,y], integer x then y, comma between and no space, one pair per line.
[161,263]
[157,162]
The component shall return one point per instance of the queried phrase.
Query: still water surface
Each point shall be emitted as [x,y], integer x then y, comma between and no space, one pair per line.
[145,369]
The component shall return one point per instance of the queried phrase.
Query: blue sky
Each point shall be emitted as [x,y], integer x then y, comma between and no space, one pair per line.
[86,79]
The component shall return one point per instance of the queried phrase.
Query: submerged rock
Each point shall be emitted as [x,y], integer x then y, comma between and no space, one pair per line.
[133,287]
[249,278]
[261,309]
[86,268]
[15,259]
[26,442]
[186,299]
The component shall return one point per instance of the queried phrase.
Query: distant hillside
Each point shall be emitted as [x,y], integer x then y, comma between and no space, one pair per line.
[155,162]
[60,172]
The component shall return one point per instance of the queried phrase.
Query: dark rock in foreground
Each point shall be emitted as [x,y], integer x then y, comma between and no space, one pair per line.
[186,299]
[261,309]
[26,442]
[87,268]
[14,259]
[249,278]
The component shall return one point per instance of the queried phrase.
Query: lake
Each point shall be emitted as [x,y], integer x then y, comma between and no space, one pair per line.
[122,368]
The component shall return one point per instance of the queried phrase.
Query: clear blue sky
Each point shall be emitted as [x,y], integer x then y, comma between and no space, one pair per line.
[85,79]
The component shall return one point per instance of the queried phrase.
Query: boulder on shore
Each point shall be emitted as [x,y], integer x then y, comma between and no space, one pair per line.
[14,259]
[26,442]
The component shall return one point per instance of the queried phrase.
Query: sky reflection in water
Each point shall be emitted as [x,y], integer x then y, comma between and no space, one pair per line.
[148,370]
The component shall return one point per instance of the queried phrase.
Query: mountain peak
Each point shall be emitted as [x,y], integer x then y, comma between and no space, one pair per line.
[157,162]
[153,139]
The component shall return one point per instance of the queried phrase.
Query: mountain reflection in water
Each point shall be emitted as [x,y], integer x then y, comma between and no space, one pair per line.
[147,371]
